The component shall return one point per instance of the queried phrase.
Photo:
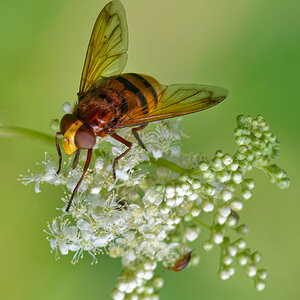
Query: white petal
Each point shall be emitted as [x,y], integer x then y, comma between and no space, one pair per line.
[64,249]
[37,187]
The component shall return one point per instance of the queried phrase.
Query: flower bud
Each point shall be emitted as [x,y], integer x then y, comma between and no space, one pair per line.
[207,205]
[207,246]
[191,233]
[226,195]
[260,285]
[158,282]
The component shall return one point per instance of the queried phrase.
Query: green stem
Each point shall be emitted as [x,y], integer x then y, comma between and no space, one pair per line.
[267,171]
[9,131]
[161,162]
[202,224]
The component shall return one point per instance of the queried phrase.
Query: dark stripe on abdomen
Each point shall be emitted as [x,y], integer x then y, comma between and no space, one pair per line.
[124,106]
[129,86]
[147,84]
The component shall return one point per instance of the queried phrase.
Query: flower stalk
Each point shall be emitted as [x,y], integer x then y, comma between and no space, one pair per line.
[9,131]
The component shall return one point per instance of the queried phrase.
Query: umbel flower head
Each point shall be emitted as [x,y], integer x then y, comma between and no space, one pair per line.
[154,210]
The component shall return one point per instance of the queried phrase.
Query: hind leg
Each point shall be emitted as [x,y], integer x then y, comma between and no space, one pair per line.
[134,132]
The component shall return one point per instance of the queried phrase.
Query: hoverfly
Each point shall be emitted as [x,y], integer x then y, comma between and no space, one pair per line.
[108,100]
[181,263]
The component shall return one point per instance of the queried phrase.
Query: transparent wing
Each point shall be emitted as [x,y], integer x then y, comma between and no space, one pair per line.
[173,101]
[107,50]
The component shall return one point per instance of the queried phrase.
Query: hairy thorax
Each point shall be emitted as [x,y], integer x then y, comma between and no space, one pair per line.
[99,109]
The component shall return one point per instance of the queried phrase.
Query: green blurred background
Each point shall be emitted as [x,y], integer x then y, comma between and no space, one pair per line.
[251,47]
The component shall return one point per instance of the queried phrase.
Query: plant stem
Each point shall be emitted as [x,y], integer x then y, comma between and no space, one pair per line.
[202,224]
[8,131]
[161,162]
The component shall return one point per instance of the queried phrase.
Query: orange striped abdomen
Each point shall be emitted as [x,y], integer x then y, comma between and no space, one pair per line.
[137,90]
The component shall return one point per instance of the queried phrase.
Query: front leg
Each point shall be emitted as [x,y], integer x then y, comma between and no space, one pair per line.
[58,152]
[76,159]
[86,166]
[123,141]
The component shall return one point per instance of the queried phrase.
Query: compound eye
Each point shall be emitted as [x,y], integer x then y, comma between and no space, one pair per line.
[85,138]
[66,121]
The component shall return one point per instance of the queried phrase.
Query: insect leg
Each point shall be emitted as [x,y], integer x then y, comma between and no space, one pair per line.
[128,144]
[76,159]
[58,151]
[87,162]
[134,132]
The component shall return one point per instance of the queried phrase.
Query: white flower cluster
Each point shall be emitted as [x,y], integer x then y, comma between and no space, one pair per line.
[152,212]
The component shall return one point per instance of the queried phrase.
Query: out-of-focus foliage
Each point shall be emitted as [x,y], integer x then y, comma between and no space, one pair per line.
[249,47]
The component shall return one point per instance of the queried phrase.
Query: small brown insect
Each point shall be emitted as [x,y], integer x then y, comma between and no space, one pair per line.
[181,263]
[108,100]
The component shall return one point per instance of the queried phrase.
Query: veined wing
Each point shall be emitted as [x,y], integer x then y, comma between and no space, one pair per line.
[175,100]
[107,50]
